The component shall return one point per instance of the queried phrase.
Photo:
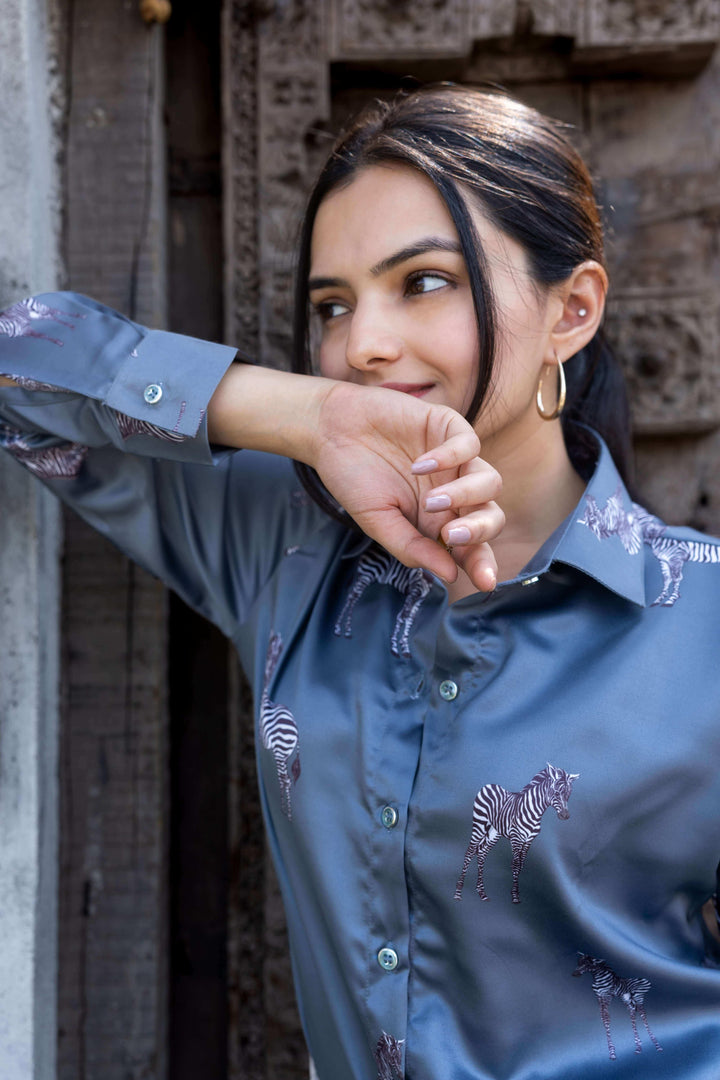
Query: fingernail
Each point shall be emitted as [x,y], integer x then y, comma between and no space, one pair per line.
[437,502]
[459,534]
[422,467]
[491,578]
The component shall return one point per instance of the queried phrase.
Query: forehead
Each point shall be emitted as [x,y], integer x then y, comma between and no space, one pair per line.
[386,208]
[383,209]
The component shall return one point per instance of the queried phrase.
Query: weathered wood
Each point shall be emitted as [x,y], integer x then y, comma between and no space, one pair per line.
[113,816]
[198,653]
[247,1033]
[113,899]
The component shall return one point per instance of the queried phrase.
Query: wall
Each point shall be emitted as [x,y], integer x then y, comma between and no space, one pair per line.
[29,547]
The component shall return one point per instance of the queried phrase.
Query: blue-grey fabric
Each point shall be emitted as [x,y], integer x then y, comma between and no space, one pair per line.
[571,716]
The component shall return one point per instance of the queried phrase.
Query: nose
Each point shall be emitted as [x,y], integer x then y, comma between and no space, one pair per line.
[372,341]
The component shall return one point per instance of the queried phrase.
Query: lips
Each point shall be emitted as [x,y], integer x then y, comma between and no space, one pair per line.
[414,389]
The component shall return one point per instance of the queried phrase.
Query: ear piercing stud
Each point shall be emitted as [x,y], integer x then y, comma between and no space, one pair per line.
[582,312]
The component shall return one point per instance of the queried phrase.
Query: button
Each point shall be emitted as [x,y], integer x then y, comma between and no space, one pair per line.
[387,959]
[389,817]
[152,393]
[448,690]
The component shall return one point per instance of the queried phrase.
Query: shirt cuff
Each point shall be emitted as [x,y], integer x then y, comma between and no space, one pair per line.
[168,380]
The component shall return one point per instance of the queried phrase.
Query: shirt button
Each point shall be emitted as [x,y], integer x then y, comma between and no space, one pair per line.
[152,393]
[448,690]
[387,959]
[389,817]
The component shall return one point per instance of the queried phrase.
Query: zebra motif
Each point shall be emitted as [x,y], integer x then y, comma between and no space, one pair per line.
[639,527]
[672,556]
[516,815]
[613,520]
[47,462]
[278,730]
[26,383]
[129,425]
[388,1056]
[17,320]
[607,985]
[414,583]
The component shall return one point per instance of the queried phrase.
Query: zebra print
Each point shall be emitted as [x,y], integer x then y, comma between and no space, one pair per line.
[378,566]
[613,520]
[278,730]
[129,425]
[26,383]
[516,815]
[388,1057]
[607,985]
[299,498]
[639,527]
[48,462]
[672,556]
[17,320]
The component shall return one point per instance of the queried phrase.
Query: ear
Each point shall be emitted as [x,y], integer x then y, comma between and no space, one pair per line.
[578,309]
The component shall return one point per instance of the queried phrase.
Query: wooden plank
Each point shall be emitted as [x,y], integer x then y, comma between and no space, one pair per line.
[114,787]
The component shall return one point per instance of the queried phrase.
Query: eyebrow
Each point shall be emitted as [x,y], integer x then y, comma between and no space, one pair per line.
[420,247]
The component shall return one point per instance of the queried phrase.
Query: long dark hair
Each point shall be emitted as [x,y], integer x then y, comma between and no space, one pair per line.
[533,185]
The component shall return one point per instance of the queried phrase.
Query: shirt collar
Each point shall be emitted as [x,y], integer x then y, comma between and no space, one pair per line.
[603,536]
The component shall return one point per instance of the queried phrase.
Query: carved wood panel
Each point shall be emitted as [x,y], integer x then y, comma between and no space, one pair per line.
[650,22]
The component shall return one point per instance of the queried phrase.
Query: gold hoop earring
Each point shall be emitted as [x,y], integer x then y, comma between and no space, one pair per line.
[561,391]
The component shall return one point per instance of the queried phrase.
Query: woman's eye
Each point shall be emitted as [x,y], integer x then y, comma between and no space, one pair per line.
[330,309]
[424,283]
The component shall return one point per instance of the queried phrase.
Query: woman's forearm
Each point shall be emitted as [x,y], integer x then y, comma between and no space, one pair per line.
[256,408]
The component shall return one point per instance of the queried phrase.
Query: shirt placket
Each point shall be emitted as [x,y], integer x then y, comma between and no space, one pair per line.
[388,909]
[455,673]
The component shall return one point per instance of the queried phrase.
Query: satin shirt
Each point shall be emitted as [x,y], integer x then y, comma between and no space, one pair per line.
[494,823]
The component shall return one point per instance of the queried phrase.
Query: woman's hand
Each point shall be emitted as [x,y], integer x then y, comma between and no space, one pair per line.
[382,454]
[409,473]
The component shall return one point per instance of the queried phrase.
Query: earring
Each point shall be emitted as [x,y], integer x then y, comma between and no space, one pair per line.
[561,391]
[582,312]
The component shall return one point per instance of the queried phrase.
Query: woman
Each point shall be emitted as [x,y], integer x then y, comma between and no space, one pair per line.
[532,700]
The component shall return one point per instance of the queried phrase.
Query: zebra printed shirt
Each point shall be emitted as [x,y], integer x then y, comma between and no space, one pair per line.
[468,804]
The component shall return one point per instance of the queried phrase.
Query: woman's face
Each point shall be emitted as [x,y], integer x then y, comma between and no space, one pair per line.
[390,290]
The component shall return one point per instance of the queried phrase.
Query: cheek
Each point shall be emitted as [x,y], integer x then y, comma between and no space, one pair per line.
[458,343]
[330,360]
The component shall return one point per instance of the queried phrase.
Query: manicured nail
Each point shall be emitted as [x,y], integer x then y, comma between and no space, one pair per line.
[459,534]
[437,502]
[422,467]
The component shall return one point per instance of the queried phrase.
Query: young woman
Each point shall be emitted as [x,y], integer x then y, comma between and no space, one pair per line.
[486,682]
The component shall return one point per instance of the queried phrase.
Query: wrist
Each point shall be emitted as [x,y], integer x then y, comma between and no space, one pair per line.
[256,408]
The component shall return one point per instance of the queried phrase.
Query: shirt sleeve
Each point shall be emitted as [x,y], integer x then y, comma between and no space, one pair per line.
[112,417]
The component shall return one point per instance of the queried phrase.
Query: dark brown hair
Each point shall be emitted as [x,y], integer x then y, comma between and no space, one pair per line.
[526,176]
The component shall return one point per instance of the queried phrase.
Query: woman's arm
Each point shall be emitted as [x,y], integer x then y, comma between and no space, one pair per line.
[151,394]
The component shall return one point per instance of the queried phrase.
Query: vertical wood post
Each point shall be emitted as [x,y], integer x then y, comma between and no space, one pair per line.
[114,783]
